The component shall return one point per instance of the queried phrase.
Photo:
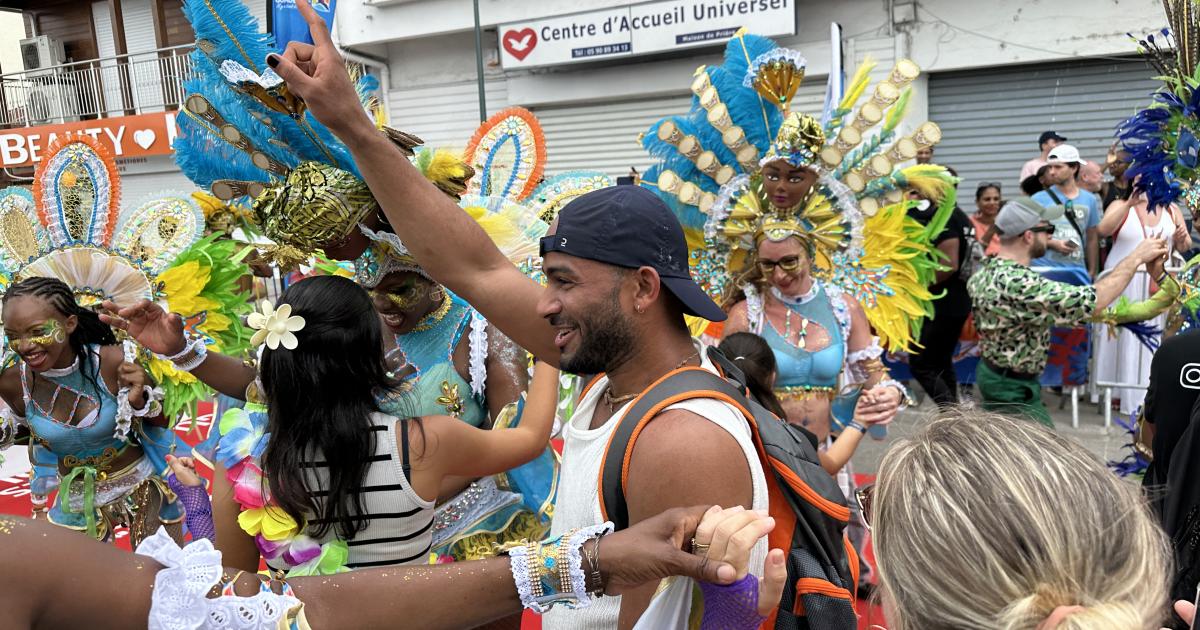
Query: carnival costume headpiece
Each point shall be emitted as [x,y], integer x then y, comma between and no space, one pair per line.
[72,228]
[854,219]
[507,195]
[1163,139]
[244,135]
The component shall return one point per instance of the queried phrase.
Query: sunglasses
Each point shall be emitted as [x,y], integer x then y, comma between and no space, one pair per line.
[863,497]
[788,264]
[1044,229]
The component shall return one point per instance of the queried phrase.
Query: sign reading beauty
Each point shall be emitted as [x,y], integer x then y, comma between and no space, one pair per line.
[639,29]
[125,136]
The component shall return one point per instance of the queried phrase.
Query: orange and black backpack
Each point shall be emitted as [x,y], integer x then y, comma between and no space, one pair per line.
[809,508]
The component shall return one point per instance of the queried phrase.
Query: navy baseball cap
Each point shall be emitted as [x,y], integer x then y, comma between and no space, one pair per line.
[1050,135]
[629,226]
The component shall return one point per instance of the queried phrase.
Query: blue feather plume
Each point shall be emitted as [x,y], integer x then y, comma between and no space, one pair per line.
[1133,464]
[1148,334]
[751,112]
[234,33]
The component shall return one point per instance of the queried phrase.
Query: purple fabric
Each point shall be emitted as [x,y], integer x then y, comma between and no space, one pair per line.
[732,607]
[197,508]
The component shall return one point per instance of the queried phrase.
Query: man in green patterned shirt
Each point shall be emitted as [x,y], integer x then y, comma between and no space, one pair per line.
[1015,307]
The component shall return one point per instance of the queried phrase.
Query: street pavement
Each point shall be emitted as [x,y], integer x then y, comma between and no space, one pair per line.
[1107,443]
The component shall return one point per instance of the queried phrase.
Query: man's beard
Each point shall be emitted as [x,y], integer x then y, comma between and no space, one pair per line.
[606,340]
[1038,250]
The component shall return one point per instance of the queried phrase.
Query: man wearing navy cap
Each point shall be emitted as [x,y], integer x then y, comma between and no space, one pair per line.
[1047,141]
[618,287]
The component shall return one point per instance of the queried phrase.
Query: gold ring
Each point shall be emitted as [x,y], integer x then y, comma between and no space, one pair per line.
[699,549]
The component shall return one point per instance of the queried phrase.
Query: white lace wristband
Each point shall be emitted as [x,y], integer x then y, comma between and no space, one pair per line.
[190,358]
[575,561]
[906,399]
[540,569]
[151,405]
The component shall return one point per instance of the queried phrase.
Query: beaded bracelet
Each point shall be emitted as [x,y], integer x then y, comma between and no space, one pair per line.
[551,573]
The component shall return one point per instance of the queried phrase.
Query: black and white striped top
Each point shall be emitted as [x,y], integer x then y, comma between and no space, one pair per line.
[400,528]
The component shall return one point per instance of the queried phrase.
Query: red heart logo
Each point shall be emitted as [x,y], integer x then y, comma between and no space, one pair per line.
[520,43]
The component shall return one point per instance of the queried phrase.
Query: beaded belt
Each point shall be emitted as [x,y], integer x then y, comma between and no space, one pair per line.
[805,392]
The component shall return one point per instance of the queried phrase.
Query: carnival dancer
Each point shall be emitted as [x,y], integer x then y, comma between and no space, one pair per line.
[102,410]
[803,225]
[67,387]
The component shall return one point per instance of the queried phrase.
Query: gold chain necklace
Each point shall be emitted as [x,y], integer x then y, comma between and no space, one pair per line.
[434,318]
[613,401]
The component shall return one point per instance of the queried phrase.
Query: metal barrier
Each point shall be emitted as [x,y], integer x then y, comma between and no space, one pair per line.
[109,86]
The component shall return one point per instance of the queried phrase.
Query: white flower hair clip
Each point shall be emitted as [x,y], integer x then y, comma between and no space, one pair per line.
[275,326]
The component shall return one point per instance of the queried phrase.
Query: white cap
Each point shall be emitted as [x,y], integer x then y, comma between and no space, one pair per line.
[1064,154]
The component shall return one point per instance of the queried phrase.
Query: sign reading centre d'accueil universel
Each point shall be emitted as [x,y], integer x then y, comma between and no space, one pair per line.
[639,29]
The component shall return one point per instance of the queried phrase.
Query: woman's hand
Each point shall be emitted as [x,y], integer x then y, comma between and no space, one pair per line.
[184,469]
[132,375]
[149,325]
[878,405]
[728,536]
[655,548]
[1180,238]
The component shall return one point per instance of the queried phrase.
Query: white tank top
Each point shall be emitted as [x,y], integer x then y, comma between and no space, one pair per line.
[578,503]
[400,526]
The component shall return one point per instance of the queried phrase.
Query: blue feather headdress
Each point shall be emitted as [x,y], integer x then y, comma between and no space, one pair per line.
[1163,139]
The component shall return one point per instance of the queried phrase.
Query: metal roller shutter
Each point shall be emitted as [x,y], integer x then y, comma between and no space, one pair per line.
[445,115]
[991,118]
[604,136]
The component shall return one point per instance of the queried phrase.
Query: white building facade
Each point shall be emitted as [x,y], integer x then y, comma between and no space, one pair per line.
[995,74]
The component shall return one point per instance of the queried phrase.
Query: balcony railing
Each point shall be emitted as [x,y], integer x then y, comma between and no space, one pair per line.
[112,86]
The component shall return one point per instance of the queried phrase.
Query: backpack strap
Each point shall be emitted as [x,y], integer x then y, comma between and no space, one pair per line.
[1070,215]
[684,384]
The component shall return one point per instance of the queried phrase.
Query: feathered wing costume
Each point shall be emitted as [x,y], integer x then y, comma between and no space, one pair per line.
[854,220]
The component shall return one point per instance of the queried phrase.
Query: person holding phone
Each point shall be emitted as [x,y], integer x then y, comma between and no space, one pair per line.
[1122,358]
[1075,241]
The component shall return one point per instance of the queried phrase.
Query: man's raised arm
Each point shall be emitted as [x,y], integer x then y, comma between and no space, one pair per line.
[446,242]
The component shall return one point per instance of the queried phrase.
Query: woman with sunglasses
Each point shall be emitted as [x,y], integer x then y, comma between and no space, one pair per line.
[983,521]
[987,206]
[815,330]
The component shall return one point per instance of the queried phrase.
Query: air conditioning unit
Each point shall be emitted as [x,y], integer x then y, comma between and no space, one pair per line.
[42,51]
[51,102]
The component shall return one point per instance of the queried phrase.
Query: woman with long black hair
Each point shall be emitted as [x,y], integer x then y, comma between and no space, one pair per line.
[65,387]
[340,481]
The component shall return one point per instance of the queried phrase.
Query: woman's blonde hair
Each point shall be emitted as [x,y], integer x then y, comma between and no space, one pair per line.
[983,521]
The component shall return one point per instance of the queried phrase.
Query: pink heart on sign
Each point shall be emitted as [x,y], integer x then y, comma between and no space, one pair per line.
[520,43]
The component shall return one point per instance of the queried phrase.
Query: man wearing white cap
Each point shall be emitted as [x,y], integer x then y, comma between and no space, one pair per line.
[1015,307]
[1075,240]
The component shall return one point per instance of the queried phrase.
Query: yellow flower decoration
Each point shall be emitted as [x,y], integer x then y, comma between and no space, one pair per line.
[182,286]
[163,371]
[275,326]
[270,521]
